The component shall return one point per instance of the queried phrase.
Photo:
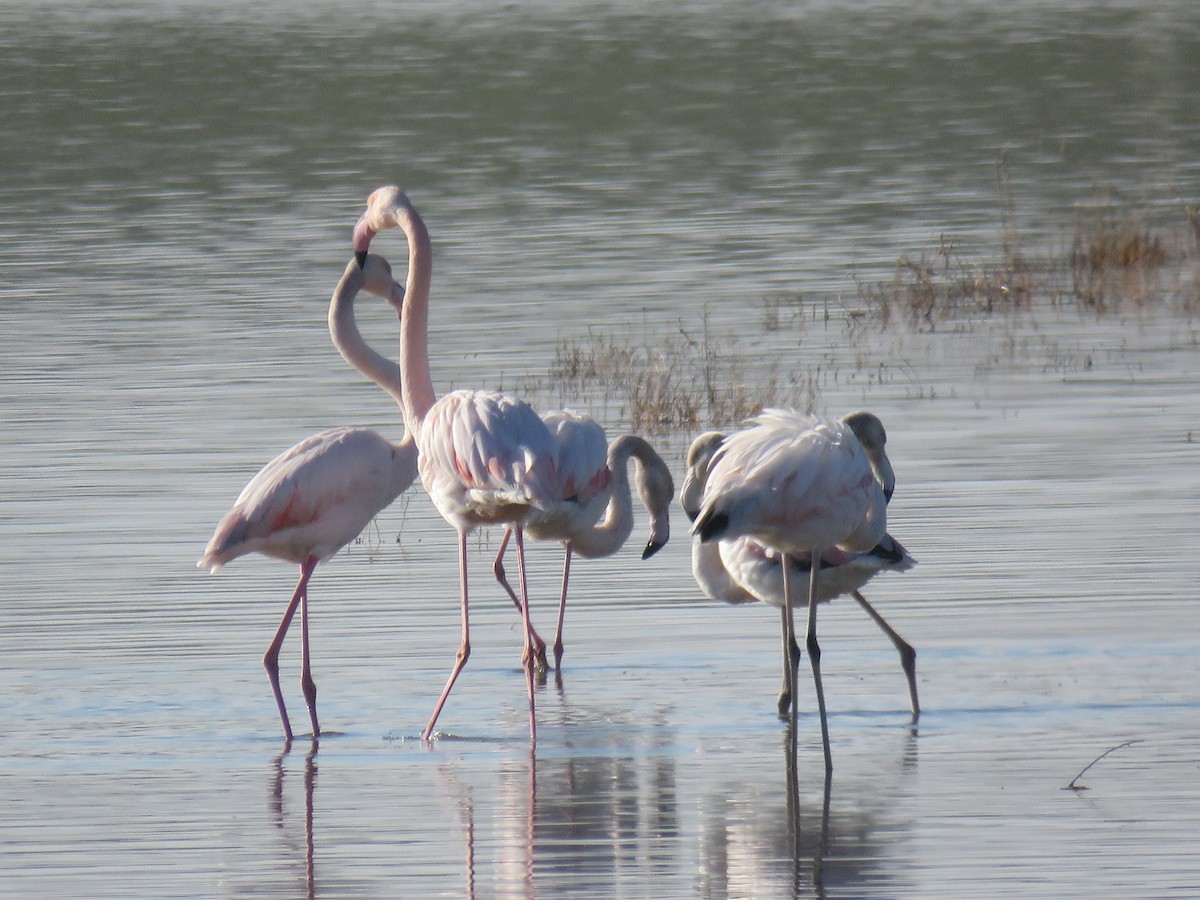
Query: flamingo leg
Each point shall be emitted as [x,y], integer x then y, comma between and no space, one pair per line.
[539,645]
[791,661]
[307,685]
[271,657]
[527,653]
[464,648]
[562,609]
[908,656]
[814,656]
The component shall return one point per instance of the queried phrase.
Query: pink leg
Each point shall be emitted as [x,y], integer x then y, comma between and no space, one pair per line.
[307,685]
[271,657]
[527,653]
[562,610]
[498,568]
[464,649]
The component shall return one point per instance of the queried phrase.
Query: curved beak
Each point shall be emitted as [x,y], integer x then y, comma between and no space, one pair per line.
[652,547]
[362,239]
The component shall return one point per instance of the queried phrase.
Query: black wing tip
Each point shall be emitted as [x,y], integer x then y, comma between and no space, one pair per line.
[710,525]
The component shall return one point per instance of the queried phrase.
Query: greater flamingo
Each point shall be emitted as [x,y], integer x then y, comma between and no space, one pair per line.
[800,484]
[744,571]
[485,458]
[586,490]
[313,499]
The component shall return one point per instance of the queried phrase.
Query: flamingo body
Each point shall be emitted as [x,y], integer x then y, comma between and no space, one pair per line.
[317,496]
[581,485]
[486,458]
[801,486]
[794,482]
[313,498]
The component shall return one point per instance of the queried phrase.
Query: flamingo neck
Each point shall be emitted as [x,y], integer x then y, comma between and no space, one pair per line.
[343,329]
[609,535]
[417,394]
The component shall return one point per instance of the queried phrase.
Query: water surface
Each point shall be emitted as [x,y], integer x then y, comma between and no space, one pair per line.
[180,181]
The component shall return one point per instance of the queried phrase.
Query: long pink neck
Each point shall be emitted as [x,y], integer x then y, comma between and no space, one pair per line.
[343,329]
[417,390]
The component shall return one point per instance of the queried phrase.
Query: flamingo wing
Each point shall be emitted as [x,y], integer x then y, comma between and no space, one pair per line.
[483,452]
[312,499]
[791,480]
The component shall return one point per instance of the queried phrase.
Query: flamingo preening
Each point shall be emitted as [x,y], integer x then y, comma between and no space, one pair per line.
[314,498]
[744,571]
[800,485]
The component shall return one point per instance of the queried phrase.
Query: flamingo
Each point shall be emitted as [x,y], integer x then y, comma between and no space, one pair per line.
[314,498]
[744,571]
[587,490]
[800,484]
[485,458]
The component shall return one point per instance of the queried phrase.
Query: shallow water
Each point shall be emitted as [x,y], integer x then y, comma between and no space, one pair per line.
[180,183]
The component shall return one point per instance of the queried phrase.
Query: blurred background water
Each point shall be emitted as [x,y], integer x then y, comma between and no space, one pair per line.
[179,182]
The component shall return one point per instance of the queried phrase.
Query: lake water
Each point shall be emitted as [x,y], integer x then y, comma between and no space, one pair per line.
[179,185]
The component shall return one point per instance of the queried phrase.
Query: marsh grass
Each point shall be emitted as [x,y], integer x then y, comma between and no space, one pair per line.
[684,381]
[929,287]
[1119,261]
[1114,262]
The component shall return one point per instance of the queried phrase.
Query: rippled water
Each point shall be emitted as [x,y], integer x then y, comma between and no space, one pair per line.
[180,181]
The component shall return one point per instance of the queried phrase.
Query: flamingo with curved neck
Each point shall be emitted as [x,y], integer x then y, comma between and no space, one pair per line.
[314,498]
[580,531]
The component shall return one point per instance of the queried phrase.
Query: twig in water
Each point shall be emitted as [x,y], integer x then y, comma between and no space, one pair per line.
[1081,787]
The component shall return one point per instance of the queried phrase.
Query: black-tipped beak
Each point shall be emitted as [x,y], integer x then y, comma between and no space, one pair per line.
[652,547]
[360,257]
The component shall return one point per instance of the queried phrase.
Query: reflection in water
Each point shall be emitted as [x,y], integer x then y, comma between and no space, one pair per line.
[820,845]
[280,819]
[593,823]
[756,843]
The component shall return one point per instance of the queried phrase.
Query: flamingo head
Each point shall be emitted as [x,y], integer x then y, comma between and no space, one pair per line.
[871,434]
[385,206]
[699,456]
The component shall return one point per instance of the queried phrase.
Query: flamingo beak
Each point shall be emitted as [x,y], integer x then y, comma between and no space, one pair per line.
[652,548]
[363,233]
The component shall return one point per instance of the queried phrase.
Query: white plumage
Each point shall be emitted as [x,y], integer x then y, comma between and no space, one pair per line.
[802,486]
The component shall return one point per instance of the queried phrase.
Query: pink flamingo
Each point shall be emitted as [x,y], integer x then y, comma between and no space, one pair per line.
[800,484]
[591,482]
[744,571]
[485,458]
[313,499]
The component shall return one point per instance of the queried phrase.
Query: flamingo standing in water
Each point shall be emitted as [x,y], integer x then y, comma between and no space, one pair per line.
[313,499]
[800,484]
[485,458]
[743,571]
[573,519]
